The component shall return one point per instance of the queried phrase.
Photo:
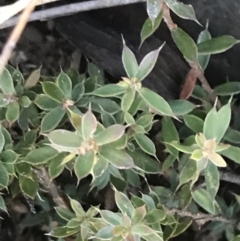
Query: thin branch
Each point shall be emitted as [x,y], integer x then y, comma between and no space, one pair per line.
[229,177]
[8,11]
[65,10]
[50,186]
[15,35]
[171,26]
[202,218]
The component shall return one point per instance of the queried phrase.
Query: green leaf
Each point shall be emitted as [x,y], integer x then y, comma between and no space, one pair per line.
[84,164]
[62,232]
[194,123]
[100,167]
[169,133]
[52,119]
[129,119]
[181,107]
[233,153]
[24,101]
[53,91]
[182,148]
[184,11]
[89,124]
[65,213]
[229,88]
[204,200]
[65,141]
[4,178]
[145,144]
[150,27]
[144,120]
[9,156]
[185,44]
[123,203]
[148,63]
[156,101]
[77,207]
[3,100]
[110,217]
[154,216]
[153,8]
[138,214]
[24,169]
[188,172]
[44,102]
[109,90]
[41,155]
[232,136]
[28,186]
[13,112]
[65,84]
[110,134]
[181,228]
[211,124]
[217,45]
[129,61]
[145,162]
[149,201]
[211,175]
[55,169]
[128,98]
[217,123]
[224,118]
[203,60]
[152,237]
[142,230]
[6,83]
[118,158]
[106,233]
[101,105]
[120,143]
[78,92]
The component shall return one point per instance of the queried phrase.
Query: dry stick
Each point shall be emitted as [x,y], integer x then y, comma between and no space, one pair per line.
[202,217]
[50,186]
[69,9]
[8,11]
[15,35]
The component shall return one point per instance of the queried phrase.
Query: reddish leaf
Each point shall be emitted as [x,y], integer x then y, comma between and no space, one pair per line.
[189,84]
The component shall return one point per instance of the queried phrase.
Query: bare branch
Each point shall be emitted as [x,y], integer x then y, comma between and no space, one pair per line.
[15,35]
[69,9]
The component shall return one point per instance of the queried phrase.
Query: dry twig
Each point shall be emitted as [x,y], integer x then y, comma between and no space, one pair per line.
[15,35]
[8,11]
[200,74]
[202,218]
[69,9]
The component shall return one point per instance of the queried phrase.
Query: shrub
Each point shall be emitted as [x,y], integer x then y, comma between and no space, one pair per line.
[99,131]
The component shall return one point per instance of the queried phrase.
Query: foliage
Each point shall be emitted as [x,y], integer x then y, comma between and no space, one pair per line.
[100,132]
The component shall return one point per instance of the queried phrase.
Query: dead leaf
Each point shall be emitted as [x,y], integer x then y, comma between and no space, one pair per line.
[189,84]
[33,79]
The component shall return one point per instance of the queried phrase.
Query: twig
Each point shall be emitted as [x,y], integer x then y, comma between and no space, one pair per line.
[49,185]
[171,26]
[8,11]
[229,177]
[202,217]
[15,35]
[60,11]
